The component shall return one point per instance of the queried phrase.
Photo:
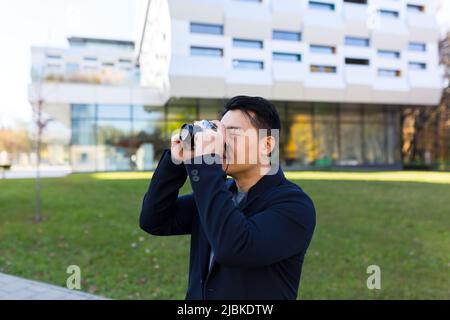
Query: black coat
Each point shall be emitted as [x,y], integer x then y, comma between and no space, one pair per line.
[258,247]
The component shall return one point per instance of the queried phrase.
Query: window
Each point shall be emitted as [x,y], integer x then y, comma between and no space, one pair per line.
[114,111]
[141,112]
[243,43]
[125,61]
[389,73]
[115,138]
[356,61]
[388,13]
[90,59]
[204,51]
[53,67]
[54,56]
[417,46]
[83,132]
[322,69]
[248,64]
[417,65]
[72,67]
[355,41]
[286,35]
[322,49]
[351,135]
[321,5]
[356,1]
[216,29]
[388,54]
[108,64]
[415,8]
[282,56]
[83,111]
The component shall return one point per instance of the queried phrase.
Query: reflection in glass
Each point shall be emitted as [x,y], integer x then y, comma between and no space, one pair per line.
[210,109]
[83,111]
[82,151]
[325,144]
[141,112]
[393,143]
[182,109]
[83,132]
[299,147]
[114,111]
[114,152]
[351,144]
[374,139]
[149,142]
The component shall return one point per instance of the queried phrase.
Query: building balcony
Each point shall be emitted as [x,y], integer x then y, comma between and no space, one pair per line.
[192,76]
[359,80]
[325,87]
[288,80]
[390,90]
[287,14]
[422,27]
[355,18]
[250,20]
[425,86]
[250,82]
[79,93]
[323,27]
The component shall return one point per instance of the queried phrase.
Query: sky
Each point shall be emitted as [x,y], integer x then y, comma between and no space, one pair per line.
[25,23]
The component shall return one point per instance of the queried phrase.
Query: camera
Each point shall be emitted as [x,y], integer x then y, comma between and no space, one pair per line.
[188,131]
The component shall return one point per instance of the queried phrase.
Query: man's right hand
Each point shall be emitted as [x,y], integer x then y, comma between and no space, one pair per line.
[179,151]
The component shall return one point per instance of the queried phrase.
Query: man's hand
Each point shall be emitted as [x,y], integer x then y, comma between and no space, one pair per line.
[178,149]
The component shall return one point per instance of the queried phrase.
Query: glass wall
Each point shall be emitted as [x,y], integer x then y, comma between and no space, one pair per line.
[316,134]
[117,137]
[133,137]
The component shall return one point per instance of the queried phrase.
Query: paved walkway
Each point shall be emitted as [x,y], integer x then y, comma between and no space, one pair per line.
[15,288]
[17,172]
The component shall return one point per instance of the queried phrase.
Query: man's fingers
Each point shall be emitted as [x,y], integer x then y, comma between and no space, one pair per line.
[175,136]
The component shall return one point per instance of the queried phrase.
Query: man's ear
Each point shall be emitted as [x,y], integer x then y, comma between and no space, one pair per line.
[271,143]
[268,145]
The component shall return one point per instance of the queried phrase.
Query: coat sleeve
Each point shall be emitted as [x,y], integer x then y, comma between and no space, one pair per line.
[163,212]
[279,232]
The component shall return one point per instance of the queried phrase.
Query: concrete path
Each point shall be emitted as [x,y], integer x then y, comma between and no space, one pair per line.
[30,172]
[15,288]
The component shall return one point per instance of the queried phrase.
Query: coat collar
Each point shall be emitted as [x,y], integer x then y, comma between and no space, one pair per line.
[265,183]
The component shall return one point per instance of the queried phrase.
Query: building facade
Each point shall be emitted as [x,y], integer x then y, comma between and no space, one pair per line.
[91,89]
[339,72]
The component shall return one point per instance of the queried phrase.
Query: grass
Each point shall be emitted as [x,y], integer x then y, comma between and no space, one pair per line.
[397,220]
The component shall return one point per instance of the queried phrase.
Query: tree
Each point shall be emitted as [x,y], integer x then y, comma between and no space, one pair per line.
[40,123]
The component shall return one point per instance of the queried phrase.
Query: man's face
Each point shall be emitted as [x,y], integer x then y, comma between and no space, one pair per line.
[242,141]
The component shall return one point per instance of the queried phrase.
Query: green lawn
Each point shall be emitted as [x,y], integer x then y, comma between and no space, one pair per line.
[397,220]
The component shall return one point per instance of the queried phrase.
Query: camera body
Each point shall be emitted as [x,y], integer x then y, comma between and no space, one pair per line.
[188,131]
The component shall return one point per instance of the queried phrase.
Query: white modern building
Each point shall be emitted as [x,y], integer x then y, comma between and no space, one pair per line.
[92,89]
[339,72]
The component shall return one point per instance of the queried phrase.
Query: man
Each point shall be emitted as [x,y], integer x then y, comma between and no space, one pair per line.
[249,235]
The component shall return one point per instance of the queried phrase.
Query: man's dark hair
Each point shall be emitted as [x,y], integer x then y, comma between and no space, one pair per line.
[262,113]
